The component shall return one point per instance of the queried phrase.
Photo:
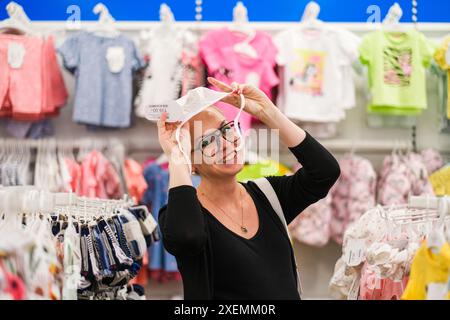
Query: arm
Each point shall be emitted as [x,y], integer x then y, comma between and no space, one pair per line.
[312,182]
[320,169]
[181,221]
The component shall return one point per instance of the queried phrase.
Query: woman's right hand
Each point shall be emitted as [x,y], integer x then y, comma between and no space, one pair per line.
[167,139]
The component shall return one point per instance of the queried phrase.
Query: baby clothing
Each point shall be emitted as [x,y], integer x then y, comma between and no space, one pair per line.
[352,195]
[31,84]
[99,178]
[227,64]
[402,176]
[317,77]
[430,273]
[432,159]
[174,67]
[134,179]
[397,64]
[103,68]
[441,57]
[312,227]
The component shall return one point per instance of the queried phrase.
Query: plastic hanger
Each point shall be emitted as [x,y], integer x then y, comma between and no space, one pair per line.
[106,23]
[241,25]
[436,238]
[166,18]
[310,16]
[18,20]
[391,22]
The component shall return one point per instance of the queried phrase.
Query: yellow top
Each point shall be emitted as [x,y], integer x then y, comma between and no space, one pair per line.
[441,58]
[440,180]
[428,268]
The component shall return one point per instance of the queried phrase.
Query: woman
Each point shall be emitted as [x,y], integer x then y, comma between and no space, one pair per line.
[228,241]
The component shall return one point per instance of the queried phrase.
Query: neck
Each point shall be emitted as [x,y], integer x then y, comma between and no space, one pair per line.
[215,189]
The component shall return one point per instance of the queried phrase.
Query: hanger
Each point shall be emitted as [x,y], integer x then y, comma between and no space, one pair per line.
[18,20]
[106,23]
[166,16]
[310,16]
[436,238]
[391,22]
[241,25]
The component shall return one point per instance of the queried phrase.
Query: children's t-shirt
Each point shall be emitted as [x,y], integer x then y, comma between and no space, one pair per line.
[227,65]
[429,274]
[397,63]
[317,80]
[442,57]
[104,68]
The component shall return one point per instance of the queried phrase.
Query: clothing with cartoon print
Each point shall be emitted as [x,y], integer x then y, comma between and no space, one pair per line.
[317,81]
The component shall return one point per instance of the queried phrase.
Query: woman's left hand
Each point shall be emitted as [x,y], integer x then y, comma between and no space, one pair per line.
[256,102]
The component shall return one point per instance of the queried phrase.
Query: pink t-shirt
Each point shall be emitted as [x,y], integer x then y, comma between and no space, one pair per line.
[227,65]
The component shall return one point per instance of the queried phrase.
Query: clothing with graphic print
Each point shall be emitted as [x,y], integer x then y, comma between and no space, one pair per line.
[217,49]
[397,63]
[317,81]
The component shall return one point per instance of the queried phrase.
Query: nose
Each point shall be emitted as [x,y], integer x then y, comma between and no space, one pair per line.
[227,147]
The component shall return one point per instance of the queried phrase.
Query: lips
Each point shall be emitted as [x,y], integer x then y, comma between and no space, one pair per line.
[230,156]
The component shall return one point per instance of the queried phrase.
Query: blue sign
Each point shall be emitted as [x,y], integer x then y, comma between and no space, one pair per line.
[222,10]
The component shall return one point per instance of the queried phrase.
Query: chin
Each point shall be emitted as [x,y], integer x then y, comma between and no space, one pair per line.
[229,169]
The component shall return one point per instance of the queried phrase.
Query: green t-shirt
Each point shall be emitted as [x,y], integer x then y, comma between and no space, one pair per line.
[397,65]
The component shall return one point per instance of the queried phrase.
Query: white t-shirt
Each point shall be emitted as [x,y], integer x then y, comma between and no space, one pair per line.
[317,77]
[164,76]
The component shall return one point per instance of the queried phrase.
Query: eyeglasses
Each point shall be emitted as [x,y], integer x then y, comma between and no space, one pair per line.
[212,142]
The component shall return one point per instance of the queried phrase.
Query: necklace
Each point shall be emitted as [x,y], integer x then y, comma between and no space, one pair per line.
[243,228]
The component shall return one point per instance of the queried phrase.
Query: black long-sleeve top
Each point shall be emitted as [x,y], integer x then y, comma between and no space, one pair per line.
[216,263]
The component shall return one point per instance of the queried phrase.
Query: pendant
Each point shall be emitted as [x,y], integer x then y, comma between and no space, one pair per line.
[244,229]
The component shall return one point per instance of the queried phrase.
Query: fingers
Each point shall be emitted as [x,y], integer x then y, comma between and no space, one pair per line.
[239,88]
[219,84]
[162,122]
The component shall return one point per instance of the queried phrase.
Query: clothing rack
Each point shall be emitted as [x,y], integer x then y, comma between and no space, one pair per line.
[28,199]
[424,202]
[204,26]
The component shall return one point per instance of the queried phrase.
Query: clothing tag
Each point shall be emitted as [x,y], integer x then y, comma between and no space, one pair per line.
[184,108]
[353,293]
[16,54]
[116,58]
[436,291]
[149,225]
[354,252]
[153,112]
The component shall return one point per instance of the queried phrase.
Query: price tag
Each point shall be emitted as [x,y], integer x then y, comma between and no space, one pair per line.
[149,224]
[354,252]
[436,291]
[354,289]
[153,112]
